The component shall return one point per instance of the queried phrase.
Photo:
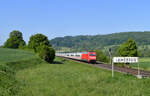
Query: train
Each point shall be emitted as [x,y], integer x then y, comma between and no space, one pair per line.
[84,56]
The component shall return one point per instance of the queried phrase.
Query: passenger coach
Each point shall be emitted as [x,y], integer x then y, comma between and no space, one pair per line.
[85,56]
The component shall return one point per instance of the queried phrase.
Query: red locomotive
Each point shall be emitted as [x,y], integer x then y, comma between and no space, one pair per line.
[89,56]
[85,56]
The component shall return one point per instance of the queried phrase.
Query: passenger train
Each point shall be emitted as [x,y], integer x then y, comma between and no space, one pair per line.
[84,56]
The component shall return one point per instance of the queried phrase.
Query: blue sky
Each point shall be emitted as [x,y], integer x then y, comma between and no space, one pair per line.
[56,18]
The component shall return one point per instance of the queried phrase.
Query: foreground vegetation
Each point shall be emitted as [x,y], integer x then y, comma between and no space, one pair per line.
[68,78]
[31,76]
[9,85]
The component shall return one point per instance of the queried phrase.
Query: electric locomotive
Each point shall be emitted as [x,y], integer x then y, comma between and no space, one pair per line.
[84,56]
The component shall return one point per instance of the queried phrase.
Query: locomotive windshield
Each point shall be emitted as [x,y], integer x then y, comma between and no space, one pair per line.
[92,55]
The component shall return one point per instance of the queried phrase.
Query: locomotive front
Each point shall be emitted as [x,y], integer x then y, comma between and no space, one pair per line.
[92,57]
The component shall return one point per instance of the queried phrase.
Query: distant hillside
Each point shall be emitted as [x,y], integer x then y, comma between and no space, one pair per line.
[86,42]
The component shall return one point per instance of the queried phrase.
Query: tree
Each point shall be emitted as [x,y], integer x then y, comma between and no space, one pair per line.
[36,40]
[15,33]
[15,40]
[128,49]
[47,53]
[101,56]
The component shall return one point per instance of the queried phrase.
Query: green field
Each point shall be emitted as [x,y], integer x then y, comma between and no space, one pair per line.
[34,77]
[144,64]
[12,55]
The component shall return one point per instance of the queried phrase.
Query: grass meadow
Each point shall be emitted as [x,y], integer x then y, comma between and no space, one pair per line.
[34,77]
[144,64]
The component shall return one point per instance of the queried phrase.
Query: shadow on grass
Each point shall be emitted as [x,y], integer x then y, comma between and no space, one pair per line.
[57,62]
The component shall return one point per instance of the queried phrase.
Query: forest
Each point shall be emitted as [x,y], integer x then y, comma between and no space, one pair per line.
[103,42]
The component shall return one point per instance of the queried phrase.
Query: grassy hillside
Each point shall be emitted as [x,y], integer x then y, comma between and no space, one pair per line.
[34,77]
[10,61]
[79,43]
[12,55]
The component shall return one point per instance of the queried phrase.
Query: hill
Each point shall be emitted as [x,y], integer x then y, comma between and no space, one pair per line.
[86,42]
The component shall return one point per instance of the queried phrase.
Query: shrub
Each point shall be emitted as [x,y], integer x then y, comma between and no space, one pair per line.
[47,53]
[101,56]
[36,40]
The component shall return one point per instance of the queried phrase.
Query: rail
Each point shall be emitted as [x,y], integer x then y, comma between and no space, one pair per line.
[116,68]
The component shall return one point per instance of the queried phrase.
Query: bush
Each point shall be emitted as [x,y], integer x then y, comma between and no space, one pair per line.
[47,53]
[36,40]
[101,56]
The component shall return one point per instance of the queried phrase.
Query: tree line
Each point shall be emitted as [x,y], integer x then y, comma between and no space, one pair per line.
[39,43]
[87,42]
[103,42]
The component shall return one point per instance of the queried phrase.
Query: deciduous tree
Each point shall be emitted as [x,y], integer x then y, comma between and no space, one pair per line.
[15,40]
[128,49]
[36,40]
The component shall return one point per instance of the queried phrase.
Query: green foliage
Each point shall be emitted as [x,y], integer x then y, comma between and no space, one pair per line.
[22,46]
[47,53]
[101,56]
[82,43]
[15,40]
[128,49]
[36,40]
[15,33]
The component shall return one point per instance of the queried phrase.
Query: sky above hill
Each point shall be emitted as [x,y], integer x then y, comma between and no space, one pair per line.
[56,18]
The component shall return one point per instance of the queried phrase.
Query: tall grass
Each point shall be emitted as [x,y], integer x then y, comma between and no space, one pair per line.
[24,74]
[68,78]
[12,60]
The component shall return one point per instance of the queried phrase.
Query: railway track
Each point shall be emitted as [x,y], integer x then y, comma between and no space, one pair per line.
[117,68]
[124,69]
